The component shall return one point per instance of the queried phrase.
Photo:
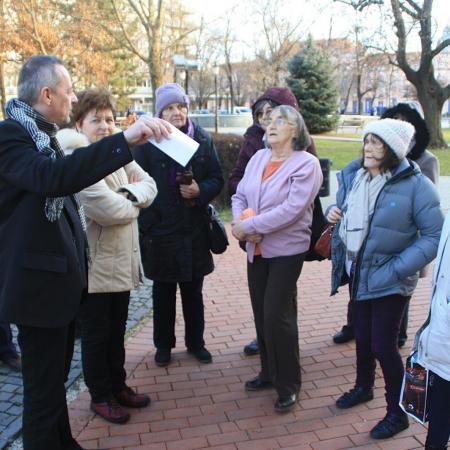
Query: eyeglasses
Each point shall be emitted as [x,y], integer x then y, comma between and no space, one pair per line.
[278,122]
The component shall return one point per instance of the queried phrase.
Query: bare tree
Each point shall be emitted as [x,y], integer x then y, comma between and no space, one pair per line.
[410,15]
[149,29]
[430,93]
[281,36]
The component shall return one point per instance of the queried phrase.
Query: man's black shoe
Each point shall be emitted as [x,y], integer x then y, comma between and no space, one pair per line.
[256,384]
[354,397]
[389,426]
[252,348]
[163,357]
[401,342]
[202,355]
[285,403]
[343,336]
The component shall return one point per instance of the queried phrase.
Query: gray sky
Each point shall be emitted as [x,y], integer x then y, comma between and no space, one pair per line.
[315,15]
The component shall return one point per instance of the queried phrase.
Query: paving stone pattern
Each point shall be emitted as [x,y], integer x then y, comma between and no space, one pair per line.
[196,406]
[11,382]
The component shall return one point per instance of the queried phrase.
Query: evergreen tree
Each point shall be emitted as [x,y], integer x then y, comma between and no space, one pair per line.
[311,82]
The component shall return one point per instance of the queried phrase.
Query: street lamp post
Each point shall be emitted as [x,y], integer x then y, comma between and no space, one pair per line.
[216,106]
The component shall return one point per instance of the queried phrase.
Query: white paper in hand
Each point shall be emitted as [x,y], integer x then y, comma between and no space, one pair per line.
[179,146]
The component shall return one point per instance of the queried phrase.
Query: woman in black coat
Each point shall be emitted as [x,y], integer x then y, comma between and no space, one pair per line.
[173,233]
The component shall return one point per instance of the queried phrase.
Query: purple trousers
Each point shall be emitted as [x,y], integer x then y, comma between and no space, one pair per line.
[377,326]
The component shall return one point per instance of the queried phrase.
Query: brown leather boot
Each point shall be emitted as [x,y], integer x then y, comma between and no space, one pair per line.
[111,411]
[131,399]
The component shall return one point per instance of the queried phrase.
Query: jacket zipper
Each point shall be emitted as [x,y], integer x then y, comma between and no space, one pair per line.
[401,175]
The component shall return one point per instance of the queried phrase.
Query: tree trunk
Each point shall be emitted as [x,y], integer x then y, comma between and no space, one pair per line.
[358,93]
[432,109]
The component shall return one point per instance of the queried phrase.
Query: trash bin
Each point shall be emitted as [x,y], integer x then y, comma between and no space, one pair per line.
[325,165]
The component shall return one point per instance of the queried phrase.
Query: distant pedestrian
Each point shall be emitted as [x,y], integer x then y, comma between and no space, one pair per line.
[388,225]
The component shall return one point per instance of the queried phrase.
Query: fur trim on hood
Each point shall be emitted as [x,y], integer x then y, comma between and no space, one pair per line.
[422,135]
[70,139]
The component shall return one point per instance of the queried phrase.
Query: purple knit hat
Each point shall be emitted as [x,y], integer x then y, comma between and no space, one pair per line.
[169,93]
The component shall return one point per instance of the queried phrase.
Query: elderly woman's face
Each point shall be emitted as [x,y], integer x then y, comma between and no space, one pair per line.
[279,131]
[374,151]
[176,114]
[97,124]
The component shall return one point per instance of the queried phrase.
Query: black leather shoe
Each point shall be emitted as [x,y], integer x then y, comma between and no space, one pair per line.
[354,397]
[401,342]
[343,336]
[285,403]
[256,384]
[163,357]
[389,426]
[252,348]
[202,355]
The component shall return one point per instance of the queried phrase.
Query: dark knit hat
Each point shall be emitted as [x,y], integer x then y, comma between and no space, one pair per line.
[167,94]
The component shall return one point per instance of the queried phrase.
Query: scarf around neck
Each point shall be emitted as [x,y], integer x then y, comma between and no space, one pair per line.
[358,209]
[43,134]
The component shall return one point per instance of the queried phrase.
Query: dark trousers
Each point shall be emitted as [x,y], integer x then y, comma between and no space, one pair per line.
[103,324]
[403,335]
[164,312]
[377,324]
[438,405]
[7,346]
[272,286]
[46,355]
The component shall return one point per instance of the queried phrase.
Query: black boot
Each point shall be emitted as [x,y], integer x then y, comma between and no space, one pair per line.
[390,426]
[343,336]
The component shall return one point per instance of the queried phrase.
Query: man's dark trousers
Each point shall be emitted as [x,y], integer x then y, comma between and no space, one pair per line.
[45,417]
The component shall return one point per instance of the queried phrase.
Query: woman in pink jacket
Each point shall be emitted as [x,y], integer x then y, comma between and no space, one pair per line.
[272,211]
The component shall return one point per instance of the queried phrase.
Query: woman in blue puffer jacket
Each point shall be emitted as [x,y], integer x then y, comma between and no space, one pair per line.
[388,223]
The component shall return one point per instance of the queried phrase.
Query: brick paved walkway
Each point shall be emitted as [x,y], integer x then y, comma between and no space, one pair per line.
[11,382]
[205,406]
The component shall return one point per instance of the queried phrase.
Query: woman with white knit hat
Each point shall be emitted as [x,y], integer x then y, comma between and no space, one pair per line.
[388,222]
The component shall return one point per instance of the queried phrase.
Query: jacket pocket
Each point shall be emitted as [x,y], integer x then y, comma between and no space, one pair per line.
[381,274]
[45,262]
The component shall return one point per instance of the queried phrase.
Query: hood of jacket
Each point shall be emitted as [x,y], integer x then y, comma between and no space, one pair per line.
[70,139]
[422,135]
[278,95]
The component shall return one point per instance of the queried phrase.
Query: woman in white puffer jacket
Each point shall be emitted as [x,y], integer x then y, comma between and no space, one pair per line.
[111,206]
[434,348]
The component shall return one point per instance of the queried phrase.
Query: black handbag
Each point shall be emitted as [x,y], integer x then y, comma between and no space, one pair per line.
[217,235]
[319,223]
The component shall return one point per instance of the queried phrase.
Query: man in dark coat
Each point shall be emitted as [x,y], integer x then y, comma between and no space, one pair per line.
[174,241]
[43,251]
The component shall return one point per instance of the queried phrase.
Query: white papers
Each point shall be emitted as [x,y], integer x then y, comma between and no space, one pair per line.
[179,146]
